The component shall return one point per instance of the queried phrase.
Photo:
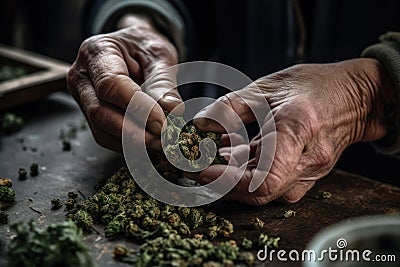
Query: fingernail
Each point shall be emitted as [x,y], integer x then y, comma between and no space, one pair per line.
[171,98]
[225,155]
[155,127]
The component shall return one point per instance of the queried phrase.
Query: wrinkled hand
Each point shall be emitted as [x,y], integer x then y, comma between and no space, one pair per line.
[107,73]
[319,110]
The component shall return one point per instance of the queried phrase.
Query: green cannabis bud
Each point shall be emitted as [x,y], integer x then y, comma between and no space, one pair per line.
[270,242]
[58,245]
[247,244]
[7,194]
[185,138]
[11,123]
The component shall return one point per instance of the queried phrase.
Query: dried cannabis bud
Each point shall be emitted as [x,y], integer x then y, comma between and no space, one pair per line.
[270,242]
[66,144]
[124,208]
[175,250]
[247,244]
[69,132]
[7,194]
[289,213]
[256,223]
[58,245]
[11,123]
[323,195]
[56,204]
[34,169]
[5,182]
[186,138]
[22,174]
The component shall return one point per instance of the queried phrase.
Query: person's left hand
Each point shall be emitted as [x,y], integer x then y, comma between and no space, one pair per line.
[319,110]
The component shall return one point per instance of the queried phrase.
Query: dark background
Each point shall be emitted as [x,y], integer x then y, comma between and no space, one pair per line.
[257,37]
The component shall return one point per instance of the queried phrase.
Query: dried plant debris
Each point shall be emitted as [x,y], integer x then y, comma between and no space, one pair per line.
[265,240]
[289,213]
[323,195]
[11,123]
[7,194]
[57,245]
[56,203]
[175,250]
[34,170]
[22,174]
[69,132]
[256,223]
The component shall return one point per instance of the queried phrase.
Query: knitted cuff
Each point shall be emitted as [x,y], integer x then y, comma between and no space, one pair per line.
[388,53]
[164,16]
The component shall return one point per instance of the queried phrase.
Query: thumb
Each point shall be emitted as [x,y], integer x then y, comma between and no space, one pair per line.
[229,112]
[160,83]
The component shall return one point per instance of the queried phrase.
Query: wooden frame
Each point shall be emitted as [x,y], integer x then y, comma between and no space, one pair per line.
[48,76]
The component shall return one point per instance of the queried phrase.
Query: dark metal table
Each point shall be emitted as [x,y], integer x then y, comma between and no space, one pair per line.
[87,164]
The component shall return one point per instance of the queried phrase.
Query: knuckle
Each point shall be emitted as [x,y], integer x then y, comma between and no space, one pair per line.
[90,44]
[106,86]
[165,50]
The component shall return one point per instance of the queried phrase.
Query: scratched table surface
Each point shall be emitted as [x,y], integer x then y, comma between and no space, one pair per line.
[87,164]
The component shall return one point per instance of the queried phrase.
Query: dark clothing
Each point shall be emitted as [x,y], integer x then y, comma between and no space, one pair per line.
[257,36]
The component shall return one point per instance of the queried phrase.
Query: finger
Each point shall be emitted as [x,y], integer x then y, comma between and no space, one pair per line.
[297,191]
[109,74]
[110,78]
[160,83]
[232,139]
[103,117]
[229,112]
[107,140]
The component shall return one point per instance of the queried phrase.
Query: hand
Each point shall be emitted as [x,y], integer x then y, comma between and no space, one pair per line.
[107,73]
[319,110]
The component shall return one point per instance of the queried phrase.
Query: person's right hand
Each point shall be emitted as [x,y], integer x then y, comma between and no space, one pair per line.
[107,73]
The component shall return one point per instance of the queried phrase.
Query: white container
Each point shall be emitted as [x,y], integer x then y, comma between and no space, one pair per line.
[363,241]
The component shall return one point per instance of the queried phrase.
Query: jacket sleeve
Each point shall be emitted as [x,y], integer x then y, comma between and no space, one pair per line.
[388,53]
[168,16]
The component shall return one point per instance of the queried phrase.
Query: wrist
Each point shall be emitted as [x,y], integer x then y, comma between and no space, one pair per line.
[372,95]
